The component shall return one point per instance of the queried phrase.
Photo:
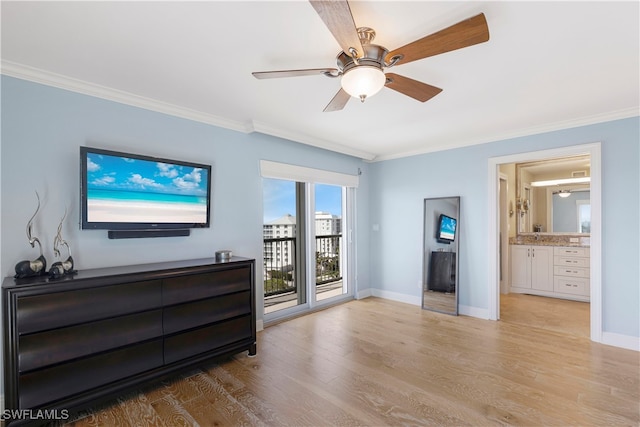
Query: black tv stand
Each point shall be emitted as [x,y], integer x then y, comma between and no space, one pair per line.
[136,234]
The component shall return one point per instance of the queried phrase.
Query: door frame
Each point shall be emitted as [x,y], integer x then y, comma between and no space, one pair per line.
[504,275]
[493,288]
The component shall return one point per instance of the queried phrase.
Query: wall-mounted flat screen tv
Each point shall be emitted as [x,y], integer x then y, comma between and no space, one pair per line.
[124,191]
[446,231]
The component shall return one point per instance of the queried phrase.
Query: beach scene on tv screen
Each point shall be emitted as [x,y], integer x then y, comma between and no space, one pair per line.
[121,189]
[448,228]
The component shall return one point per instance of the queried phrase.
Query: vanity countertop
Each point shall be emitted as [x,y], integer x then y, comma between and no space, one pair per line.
[551,240]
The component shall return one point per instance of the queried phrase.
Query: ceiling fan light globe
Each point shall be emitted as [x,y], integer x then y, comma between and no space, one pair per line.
[363,81]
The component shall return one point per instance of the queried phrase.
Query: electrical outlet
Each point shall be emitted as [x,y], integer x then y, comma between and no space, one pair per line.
[574,240]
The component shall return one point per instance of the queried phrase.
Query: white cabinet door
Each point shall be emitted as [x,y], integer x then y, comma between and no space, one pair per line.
[521,266]
[542,268]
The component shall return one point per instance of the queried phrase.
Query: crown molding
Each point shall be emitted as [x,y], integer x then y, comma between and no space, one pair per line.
[309,140]
[549,127]
[36,75]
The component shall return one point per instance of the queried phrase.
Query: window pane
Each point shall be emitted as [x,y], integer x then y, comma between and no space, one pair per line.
[329,241]
[584,217]
[283,283]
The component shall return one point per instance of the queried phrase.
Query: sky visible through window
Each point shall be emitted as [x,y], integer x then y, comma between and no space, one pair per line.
[279,197]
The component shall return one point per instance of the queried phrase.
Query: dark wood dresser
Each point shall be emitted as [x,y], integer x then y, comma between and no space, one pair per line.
[71,342]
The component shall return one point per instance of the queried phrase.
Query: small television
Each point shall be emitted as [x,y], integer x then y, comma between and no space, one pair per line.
[446,231]
[131,192]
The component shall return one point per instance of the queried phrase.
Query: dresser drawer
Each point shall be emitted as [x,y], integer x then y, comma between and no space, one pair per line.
[205,285]
[571,251]
[570,271]
[54,310]
[60,345]
[570,261]
[574,286]
[209,338]
[48,385]
[190,315]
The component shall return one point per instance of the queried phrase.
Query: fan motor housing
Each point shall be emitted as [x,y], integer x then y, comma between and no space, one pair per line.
[374,56]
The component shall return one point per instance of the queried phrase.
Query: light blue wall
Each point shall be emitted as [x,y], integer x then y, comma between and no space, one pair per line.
[399,186]
[42,130]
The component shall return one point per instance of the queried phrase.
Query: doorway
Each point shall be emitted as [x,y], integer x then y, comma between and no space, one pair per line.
[595,310]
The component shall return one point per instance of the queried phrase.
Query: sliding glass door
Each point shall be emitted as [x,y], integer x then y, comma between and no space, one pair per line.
[305,249]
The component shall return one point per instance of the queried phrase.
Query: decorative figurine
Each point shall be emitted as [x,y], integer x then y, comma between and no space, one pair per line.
[61,268]
[38,266]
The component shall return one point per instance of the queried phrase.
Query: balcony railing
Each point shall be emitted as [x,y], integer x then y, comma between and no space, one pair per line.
[280,260]
[328,259]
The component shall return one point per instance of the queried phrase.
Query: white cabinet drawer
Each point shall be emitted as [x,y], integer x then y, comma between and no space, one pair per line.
[571,251]
[565,261]
[570,271]
[574,286]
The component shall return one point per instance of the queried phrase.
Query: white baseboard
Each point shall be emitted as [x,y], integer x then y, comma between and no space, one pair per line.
[259,325]
[395,296]
[365,293]
[619,340]
[467,310]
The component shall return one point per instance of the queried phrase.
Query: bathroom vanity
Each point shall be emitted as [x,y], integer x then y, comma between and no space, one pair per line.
[551,268]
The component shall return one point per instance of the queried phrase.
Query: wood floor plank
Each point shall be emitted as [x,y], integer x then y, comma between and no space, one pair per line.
[375,362]
[174,413]
[140,411]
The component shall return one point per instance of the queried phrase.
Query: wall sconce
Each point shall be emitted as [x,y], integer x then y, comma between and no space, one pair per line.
[510,208]
[522,205]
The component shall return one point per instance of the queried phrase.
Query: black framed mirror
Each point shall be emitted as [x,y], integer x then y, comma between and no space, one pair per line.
[441,254]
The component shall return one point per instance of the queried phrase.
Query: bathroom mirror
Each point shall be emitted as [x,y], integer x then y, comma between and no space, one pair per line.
[440,254]
[553,196]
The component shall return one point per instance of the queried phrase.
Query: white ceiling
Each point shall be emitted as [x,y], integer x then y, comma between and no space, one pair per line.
[547,65]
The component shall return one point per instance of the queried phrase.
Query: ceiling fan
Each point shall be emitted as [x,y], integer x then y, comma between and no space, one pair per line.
[361,64]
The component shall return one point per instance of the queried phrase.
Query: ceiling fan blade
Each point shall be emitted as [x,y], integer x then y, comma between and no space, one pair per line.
[463,34]
[338,102]
[413,88]
[333,72]
[337,16]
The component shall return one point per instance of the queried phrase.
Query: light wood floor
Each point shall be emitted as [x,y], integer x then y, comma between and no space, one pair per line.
[552,314]
[375,362]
